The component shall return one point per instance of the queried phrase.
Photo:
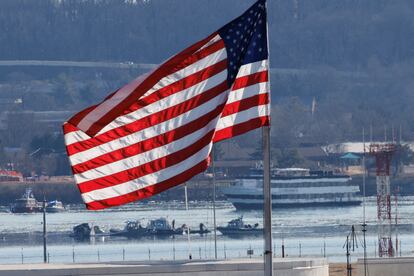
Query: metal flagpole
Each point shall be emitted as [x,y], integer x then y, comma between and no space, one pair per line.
[188,226]
[214,202]
[267,194]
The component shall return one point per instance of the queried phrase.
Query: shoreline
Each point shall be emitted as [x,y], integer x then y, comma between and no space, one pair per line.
[198,189]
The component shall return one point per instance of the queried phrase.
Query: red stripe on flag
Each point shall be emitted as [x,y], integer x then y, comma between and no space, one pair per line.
[67,128]
[150,190]
[250,80]
[241,128]
[147,168]
[148,121]
[245,104]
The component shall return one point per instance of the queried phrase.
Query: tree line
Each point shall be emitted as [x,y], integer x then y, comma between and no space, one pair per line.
[351,60]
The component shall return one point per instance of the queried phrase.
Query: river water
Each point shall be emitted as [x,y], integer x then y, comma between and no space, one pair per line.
[302,231]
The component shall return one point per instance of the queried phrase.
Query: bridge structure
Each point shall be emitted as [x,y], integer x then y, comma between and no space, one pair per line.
[150,66]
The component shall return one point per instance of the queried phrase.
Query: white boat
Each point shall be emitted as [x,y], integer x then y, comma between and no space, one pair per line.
[55,206]
[238,227]
[293,187]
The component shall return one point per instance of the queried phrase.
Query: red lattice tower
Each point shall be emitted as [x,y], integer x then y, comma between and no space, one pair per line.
[383,155]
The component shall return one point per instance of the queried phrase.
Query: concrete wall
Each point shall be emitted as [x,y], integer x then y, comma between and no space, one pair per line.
[243,267]
[399,266]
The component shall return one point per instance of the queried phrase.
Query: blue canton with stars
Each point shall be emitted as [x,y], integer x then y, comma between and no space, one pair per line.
[246,39]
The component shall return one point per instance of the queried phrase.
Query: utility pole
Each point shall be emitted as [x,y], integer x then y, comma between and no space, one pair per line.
[364,223]
[44,231]
[214,202]
[348,258]
[190,257]
[350,244]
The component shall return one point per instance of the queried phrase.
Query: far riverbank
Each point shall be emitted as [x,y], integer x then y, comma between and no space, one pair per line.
[198,190]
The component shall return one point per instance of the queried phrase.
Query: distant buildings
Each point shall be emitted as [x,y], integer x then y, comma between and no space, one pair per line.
[355,147]
[10,176]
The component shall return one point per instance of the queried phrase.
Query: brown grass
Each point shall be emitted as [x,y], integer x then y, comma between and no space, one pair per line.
[336,269]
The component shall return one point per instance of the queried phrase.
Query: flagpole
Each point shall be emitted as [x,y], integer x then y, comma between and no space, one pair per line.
[267,196]
[214,202]
[267,192]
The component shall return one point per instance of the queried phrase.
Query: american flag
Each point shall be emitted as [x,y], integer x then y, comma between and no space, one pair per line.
[157,131]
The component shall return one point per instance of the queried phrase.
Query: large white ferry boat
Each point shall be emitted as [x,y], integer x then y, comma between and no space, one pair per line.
[294,187]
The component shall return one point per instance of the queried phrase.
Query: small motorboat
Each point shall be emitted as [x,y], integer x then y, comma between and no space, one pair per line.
[55,206]
[97,232]
[81,231]
[26,204]
[201,230]
[237,227]
[161,227]
[132,229]
[84,231]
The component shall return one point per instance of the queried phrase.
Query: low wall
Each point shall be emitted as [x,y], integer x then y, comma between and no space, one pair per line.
[239,267]
[399,266]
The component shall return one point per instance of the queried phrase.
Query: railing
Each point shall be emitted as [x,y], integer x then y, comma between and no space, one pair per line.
[107,253]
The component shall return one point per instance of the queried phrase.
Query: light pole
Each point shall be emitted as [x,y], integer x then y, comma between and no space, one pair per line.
[44,231]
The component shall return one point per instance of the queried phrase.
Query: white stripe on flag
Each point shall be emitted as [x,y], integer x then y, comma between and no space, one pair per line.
[243,116]
[246,92]
[252,68]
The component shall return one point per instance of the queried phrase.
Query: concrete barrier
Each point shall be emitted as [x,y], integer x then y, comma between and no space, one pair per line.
[399,266]
[238,267]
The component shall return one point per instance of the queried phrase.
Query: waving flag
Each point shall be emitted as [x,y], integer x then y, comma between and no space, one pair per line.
[157,131]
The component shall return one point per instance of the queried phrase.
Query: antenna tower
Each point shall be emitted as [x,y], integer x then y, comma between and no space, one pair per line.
[383,154]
